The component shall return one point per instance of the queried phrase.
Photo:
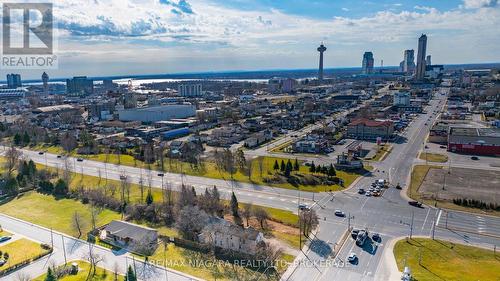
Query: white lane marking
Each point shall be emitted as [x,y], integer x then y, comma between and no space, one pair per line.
[439,217]
[425,220]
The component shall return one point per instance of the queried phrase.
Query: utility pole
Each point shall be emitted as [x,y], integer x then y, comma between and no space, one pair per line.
[411,225]
[52,238]
[64,250]
[433,226]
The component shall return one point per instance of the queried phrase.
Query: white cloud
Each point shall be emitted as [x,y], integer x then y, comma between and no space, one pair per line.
[345,9]
[475,4]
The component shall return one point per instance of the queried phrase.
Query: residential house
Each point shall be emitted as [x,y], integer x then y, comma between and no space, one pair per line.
[133,237]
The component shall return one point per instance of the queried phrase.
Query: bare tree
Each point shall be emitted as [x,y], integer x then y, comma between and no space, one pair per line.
[261,216]
[94,213]
[78,223]
[12,156]
[23,276]
[247,212]
[260,163]
[309,221]
[94,259]
[141,186]
[125,188]
[67,170]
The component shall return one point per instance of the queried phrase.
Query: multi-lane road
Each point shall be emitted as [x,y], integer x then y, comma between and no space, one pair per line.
[390,215]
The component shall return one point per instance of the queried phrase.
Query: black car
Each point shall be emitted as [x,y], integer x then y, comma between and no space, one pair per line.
[415,203]
[40,153]
[79,159]
[376,237]
[361,191]
[59,156]
[474,158]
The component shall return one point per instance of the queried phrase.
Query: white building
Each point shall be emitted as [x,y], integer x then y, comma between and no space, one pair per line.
[190,90]
[157,113]
[401,99]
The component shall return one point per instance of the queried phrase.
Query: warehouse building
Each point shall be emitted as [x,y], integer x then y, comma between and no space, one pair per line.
[478,141]
[157,113]
[365,129]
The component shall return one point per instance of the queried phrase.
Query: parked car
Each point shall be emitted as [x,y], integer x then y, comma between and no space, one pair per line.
[2,262]
[40,153]
[368,194]
[361,191]
[376,237]
[474,158]
[354,233]
[352,257]
[415,203]
[339,213]
[79,159]
[59,156]
[362,235]
[5,238]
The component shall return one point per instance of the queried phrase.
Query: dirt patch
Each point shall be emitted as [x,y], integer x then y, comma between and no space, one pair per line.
[269,225]
[483,185]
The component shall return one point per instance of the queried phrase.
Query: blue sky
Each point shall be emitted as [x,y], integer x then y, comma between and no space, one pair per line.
[120,37]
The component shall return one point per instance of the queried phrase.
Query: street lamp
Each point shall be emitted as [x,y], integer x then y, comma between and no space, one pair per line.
[161,175]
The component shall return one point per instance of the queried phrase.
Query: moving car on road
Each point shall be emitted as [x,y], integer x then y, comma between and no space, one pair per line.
[352,257]
[79,159]
[303,207]
[361,191]
[415,203]
[5,238]
[339,213]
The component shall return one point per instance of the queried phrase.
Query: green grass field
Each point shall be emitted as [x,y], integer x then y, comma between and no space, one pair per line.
[433,157]
[49,212]
[382,152]
[20,251]
[442,260]
[84,267]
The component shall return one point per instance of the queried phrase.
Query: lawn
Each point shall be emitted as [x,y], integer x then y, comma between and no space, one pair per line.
[433,157]
[442,260]
[49,212]
[83,271]
[204,265]
[21,250]
[417,177]
[382,152]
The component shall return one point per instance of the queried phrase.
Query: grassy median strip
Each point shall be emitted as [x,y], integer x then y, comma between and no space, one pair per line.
[382,152]
[441,260]
[433,157]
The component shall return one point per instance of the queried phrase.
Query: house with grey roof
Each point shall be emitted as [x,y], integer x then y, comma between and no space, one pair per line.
[133,237]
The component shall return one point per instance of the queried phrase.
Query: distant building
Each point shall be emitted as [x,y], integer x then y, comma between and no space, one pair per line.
[190,90]
[408,63]
[401,99]
[79,86]
[45,81]
[478,141]
[281,85]
[368,62]
[428,60]
[13,94]
[157,113]
[421,56]
[321,50]
[129,100]
[14,81]
[370,129]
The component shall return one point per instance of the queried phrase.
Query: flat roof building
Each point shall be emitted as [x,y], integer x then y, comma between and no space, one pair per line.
[157,113]
[480,141]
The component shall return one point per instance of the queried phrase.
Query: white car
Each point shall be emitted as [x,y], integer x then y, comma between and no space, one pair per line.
[352,257]
[368,194]
[339,213]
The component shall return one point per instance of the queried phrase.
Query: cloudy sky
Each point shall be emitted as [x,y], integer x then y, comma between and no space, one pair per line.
[122,37]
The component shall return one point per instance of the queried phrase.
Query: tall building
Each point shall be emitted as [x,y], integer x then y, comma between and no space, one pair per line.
[428,60]
[45,80]
[190,90]
[422,49]
[79,86]
[321,50]
[14,81]
[368,63]
[408,63]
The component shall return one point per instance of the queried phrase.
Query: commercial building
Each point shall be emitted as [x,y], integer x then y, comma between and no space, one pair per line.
[368,62]
[12,94]
[79,86]
[408,63]
[428,60]
[421,57]
[477,141]
[157,113]
[14,81]
[401,99]
[45,80]
[190,90]
[370,129]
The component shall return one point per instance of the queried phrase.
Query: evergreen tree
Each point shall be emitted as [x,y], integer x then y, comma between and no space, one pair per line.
[331,171]
[288,170]
[276,165]
[149,198]
[296,166]
[130,274]
[283,166]
[289,165]
[26,138]
[324,170]
[61,187]
[312,168]
[50,275]
[17,139]
[234,205]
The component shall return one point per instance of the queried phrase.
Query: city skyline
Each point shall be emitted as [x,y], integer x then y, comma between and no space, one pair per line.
[181,36]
